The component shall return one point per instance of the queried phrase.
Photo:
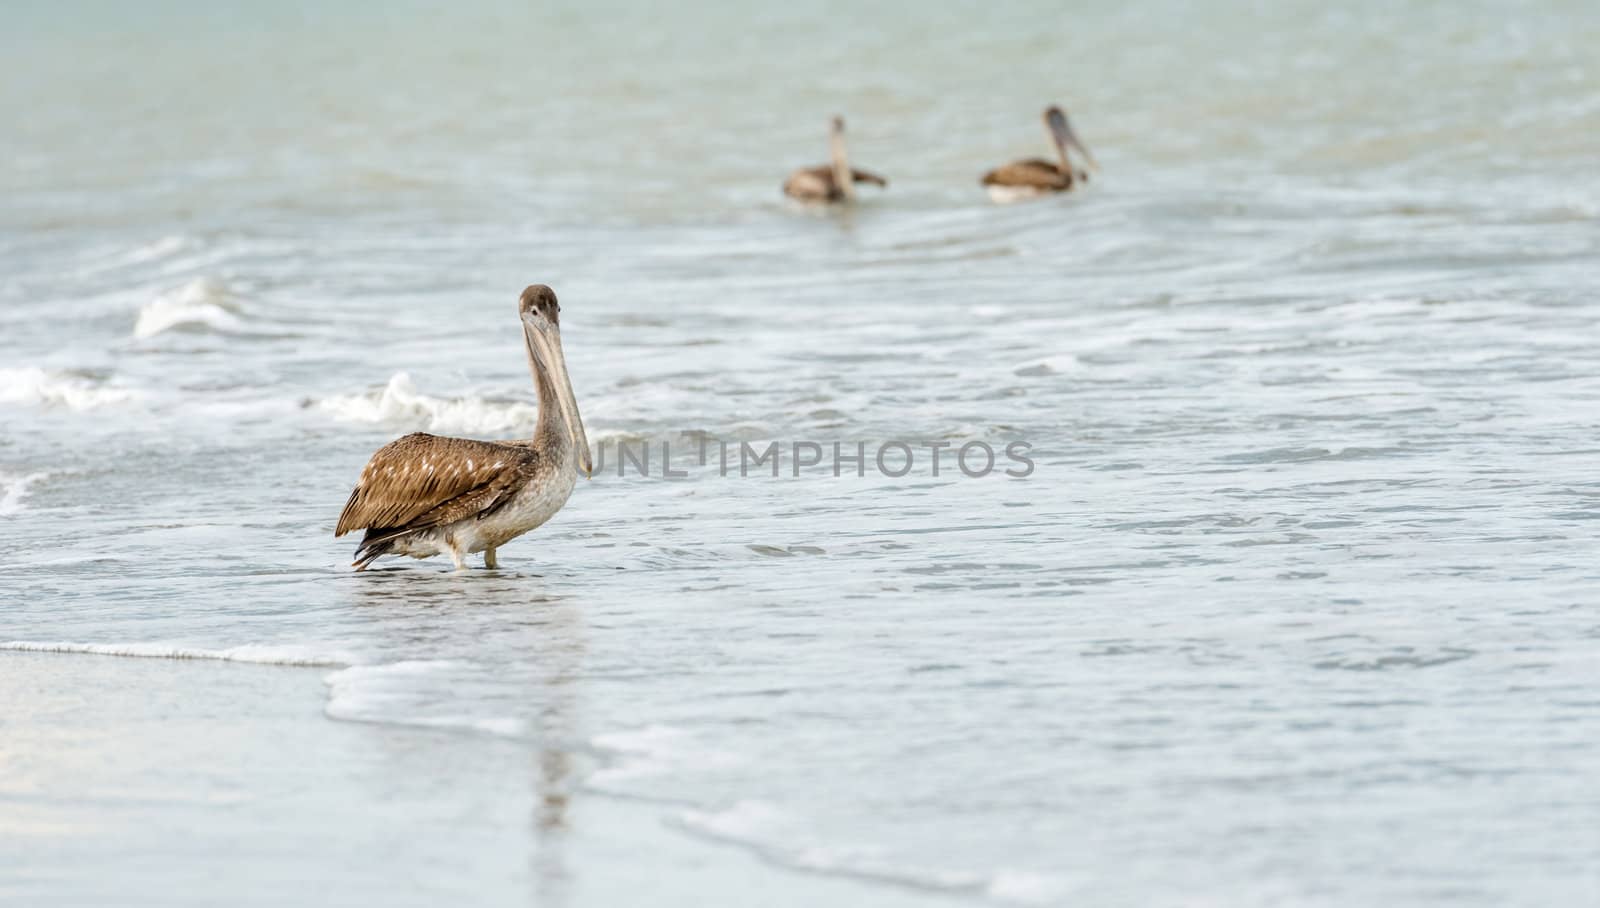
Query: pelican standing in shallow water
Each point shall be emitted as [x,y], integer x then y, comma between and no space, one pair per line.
[1034,177]
[424,495]
[834,181]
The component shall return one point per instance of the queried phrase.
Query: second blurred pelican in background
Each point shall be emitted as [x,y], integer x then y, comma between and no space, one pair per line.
[1033,177]
[834,181]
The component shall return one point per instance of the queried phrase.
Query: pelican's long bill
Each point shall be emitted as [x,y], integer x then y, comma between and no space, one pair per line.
[549,364]
[1061,131]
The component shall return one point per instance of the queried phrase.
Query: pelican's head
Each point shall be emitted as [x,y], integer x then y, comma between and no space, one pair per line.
[1055,120]
[541,332]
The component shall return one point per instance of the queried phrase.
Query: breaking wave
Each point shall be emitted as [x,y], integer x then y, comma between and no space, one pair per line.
[57,388]
[12,491]
[400,404]
[201,304]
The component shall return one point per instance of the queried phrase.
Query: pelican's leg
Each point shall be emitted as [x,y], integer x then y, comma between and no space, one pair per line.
[489,560]
[456,554]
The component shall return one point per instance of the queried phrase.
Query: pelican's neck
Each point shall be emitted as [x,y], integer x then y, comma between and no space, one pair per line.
[551,433]
[1061,151]
[842,177]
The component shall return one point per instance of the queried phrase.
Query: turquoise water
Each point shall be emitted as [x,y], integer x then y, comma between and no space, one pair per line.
[1296,607]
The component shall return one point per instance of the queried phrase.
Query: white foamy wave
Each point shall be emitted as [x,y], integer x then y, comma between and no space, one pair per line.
[202,303]
[55,388]
[395,694]
[262,655]
[401,405]
[654,750]
[774,833]
[12,491]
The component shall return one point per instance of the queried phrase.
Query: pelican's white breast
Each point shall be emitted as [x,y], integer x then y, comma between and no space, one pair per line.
[1005,195]
[533,504]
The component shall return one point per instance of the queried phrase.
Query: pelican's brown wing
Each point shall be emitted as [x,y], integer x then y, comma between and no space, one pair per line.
[423,480]
[1036,173]
[818,182]
[811,183]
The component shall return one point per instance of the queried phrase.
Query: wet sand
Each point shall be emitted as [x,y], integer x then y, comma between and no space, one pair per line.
[172,782]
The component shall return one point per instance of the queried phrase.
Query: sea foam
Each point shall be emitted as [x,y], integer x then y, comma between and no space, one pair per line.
[261,655]
[651,751]
[391,694]
[400,404]
[13,489]
[200,304]
[57,388]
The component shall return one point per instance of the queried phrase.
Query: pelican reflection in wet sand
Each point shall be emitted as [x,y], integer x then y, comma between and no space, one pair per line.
[1034,177]
[834,181]
[424,495]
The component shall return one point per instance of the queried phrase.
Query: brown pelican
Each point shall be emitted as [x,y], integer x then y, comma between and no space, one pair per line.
[1035,176]
[832,182]
[423,495]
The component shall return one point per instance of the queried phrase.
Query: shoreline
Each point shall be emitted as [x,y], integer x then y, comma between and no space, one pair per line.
[182,781]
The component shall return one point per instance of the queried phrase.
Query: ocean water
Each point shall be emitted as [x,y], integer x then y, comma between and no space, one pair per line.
[1297,605]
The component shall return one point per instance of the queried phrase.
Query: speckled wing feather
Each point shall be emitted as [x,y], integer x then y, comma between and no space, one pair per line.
[1033,172]
[425,480]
